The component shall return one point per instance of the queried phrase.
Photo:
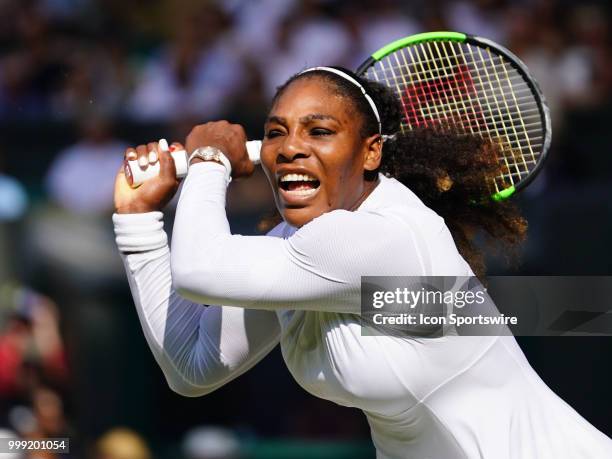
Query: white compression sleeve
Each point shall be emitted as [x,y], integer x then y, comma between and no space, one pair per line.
[318,268]
[198,348]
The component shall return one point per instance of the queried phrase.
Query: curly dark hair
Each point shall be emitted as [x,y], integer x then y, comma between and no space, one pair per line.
[445,168]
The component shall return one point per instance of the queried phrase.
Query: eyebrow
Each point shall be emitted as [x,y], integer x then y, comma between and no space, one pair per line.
[316,116]
[304,119]
[276,119]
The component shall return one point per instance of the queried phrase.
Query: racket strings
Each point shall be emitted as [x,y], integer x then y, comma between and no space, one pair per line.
[452,85]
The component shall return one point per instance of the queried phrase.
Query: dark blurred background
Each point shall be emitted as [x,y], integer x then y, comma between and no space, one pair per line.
[82,79]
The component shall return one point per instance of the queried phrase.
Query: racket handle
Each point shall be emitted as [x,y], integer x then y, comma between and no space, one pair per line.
[253,149]
[135,176]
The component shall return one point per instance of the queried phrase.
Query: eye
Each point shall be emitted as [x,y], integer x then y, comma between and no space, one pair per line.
[320,131]
[273,133]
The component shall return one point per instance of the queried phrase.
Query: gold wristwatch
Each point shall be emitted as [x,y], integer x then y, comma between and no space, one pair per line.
[212,154]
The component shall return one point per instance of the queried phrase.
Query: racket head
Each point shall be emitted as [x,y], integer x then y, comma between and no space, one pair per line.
[451,80]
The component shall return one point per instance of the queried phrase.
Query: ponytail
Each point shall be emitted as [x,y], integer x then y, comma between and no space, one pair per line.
[448,172]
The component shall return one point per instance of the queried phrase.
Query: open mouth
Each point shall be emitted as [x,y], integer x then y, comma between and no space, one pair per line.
[299,184]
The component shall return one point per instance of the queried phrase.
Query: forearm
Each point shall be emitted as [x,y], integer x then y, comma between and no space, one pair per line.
[195,350]
[209,264]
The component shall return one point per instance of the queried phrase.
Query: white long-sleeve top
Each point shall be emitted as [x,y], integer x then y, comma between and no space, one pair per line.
[447,397]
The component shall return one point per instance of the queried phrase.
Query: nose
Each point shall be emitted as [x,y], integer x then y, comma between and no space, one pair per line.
[291,149]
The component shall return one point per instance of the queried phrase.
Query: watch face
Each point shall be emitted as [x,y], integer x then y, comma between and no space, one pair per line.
[212,154]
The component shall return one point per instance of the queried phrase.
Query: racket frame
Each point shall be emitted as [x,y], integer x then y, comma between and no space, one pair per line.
[494,48]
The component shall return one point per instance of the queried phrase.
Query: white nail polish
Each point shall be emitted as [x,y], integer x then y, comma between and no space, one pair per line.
[152,157]
[142,161]
[163,145]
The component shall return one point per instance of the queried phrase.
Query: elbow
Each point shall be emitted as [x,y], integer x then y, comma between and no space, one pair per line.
[181,280]
[192,286]
[182,272]
[191,283]
[185,389]
[200,286]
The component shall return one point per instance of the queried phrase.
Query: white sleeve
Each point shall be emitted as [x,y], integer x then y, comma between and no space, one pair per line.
[198,348]
[317,268]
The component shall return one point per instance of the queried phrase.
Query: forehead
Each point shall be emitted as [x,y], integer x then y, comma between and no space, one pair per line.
[314,95]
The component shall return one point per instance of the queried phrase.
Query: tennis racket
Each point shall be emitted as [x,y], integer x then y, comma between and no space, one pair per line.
[450,80]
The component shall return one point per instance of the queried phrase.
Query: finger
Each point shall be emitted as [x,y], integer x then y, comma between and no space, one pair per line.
[143,156]
[176,146]
[120,179]
[130,154]
[167,169]
[162,144]
[153,152]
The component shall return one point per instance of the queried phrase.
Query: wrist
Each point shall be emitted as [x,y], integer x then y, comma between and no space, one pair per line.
[200,160]
[211,154]
[135,209]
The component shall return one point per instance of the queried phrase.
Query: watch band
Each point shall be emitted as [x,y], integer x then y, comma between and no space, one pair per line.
[212,154]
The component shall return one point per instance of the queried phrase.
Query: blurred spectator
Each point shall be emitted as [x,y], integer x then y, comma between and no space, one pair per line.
[563,70]
[51,422]
[380,25]
[209,442]
[589,26]
[194,74]
[82,177]
[479,17]
[121,443]
[13,206]
[31,348]
[303,40]
[13,199]
[32,72]
[97,78]
[71,240]
[257,22]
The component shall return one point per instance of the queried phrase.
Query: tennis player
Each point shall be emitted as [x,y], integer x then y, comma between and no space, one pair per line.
[325,150]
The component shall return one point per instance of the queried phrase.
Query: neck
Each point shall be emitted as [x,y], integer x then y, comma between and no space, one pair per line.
[367,190]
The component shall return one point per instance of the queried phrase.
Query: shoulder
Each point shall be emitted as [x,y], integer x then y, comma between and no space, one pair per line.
[346,234]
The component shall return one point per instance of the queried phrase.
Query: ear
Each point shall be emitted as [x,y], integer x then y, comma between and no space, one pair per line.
[373,155]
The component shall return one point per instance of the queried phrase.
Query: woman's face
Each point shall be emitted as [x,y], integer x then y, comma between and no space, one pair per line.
[313,153]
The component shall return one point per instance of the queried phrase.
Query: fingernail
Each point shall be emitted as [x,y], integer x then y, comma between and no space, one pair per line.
[131,156]
[142,161]
[152,157]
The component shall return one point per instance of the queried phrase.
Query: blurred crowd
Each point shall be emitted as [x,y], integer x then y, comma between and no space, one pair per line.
[164,60]
[82,79]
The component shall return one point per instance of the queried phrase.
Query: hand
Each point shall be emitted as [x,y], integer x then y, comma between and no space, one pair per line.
[154,193]
[229,138]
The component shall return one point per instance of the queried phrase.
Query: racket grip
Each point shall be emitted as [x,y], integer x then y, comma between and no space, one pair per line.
[253,149]
[136,176]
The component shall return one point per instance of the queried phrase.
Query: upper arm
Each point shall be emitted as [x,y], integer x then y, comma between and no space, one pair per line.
[228,342]
[318,268]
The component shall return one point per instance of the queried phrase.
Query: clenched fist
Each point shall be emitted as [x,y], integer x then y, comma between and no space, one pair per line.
[154,193]
[229,138]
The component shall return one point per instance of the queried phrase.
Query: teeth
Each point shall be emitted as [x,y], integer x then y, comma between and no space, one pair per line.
[297,178]
[302,192]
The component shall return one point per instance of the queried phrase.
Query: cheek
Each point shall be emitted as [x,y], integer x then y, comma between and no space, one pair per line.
[269,174]
[267,164]
[343,179]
